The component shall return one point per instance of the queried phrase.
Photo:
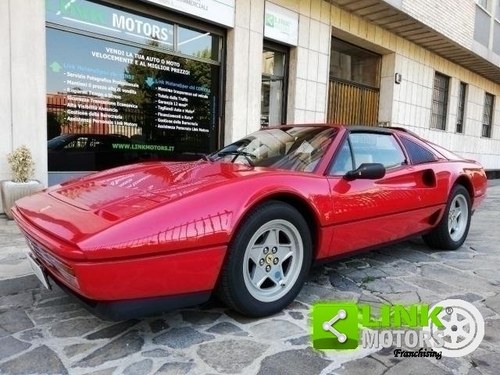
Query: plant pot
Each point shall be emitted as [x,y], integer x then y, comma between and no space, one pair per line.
[12,191]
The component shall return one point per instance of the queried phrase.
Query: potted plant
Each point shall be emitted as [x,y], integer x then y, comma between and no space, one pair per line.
[22,166]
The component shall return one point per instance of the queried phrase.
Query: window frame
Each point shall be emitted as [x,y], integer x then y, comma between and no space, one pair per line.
[486,7]
[342,144]
[276,47]
[461,107]
[435,123]
[487,120]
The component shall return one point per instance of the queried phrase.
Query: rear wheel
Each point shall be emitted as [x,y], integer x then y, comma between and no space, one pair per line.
[453,228]
[268,260]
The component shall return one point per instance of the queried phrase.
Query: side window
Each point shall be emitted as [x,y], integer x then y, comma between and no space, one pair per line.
[376,148]
[417,153]
[343,160]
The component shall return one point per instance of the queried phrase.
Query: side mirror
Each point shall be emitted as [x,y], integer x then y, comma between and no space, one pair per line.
[366,171]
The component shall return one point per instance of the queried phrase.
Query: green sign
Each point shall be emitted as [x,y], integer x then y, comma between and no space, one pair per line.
[88,16]
[337,325]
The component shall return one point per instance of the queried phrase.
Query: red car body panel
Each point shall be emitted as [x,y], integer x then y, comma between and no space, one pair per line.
[159,229]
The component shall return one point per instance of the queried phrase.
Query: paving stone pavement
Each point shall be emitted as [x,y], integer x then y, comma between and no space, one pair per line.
[47,332]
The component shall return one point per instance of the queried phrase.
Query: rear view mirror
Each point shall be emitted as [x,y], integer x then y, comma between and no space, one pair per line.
[366,171]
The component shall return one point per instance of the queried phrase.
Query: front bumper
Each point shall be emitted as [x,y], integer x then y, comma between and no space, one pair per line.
[136,308]
[149,276]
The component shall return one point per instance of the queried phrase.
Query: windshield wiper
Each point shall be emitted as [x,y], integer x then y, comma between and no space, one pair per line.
[206,157]
[247,155]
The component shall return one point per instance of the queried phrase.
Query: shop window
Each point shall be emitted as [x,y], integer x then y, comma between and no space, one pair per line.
[79,143]
[440,101]
[461,107]
[353,92]
[138,87]
[488,115]
[354,64]
[273,91]
[198,43]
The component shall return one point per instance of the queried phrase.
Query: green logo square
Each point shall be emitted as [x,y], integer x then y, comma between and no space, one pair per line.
[269,20]
[335,326]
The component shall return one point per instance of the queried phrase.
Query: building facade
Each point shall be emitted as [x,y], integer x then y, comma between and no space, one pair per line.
[111,82]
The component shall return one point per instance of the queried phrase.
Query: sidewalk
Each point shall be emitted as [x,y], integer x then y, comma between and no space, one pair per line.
[47,332]
[13,250]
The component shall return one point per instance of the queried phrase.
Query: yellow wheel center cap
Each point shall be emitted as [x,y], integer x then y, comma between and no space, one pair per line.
[269,259]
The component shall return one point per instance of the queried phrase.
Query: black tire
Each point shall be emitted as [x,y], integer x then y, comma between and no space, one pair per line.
[442,237]
[247,260]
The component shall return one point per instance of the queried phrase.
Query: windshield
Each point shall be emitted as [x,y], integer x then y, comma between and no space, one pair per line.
[293,148]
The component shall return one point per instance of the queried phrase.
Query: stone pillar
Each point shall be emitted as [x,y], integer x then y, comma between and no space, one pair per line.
[308,75]
[24,119]
[244,70]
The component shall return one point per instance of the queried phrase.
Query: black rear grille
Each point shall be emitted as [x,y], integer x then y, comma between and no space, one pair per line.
[40,252]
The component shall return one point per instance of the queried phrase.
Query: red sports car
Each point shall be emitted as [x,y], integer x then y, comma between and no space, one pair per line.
[247,221]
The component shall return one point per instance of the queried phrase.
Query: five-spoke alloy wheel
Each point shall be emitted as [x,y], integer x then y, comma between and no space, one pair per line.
[453,228]
[272,260]
[268,260]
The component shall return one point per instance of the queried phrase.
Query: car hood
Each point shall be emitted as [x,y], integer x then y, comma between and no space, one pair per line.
[79,209]
[120,190]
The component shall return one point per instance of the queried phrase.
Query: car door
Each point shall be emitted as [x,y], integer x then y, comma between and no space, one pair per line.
[371,212]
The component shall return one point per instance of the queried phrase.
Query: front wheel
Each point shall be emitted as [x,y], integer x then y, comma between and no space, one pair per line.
[453,228]
[268,260]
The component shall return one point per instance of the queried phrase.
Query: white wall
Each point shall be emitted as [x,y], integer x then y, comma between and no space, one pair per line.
[452,18]
[412,108]
[22,63]
[5,97]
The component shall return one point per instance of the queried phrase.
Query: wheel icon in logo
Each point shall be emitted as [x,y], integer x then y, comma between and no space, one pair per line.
[463,328]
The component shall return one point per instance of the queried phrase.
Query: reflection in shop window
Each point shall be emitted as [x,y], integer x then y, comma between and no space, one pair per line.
[198,43]
[136,103]
[274,66]
[78,144]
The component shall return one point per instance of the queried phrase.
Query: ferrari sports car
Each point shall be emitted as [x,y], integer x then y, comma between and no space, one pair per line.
[248,221]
